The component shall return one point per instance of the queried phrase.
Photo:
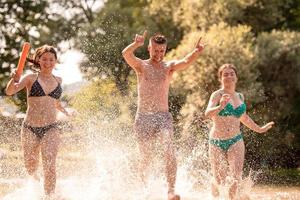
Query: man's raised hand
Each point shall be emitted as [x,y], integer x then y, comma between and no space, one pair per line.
[140,39]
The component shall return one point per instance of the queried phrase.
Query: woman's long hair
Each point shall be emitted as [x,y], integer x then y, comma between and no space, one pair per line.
[33,60]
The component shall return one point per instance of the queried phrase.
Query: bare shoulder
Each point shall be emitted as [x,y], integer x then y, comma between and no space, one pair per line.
[216,95]
[136,62]
[241,95]
[170,64]
[58,78]
[143,62]
[30,77]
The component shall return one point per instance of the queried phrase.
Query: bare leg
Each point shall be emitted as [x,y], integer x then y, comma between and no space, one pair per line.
[146,156]
[236,155]
[218,166]
[49,149]
[171,165]
[31,149]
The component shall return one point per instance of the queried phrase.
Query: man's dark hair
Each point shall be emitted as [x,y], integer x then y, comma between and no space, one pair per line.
[158,38]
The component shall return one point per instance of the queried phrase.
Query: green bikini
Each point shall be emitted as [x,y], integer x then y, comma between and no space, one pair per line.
[226,144]
[237,112]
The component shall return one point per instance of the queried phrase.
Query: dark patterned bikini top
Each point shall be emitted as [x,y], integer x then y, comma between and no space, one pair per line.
[37,90]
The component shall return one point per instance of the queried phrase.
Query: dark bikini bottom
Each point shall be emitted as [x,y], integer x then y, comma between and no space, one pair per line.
[40,132]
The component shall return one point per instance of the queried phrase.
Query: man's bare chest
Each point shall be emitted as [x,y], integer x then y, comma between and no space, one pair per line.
[158,75]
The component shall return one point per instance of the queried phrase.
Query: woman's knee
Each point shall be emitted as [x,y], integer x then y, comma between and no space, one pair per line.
[31,169]
[219,178]
[235,183]
[233,189]
[170,157]
[50,171]
[31,163]
[49,155]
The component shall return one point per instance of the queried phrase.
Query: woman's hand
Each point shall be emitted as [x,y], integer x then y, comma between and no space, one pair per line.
[72,113]
[224,100]
[15,76]
[266,127]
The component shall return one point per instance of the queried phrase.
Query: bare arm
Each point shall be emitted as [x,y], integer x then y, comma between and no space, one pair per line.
[61,108]
[213,108]
[247,121]
[13,86]
[58,104]
[190,58]
[128,52]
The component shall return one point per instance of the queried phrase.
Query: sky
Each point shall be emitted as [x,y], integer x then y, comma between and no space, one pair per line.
[68,68]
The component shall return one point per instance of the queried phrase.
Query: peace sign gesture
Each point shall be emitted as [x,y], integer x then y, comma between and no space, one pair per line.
[200,46]
[140,39]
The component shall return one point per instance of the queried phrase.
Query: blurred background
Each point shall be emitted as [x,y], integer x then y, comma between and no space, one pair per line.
[260,37]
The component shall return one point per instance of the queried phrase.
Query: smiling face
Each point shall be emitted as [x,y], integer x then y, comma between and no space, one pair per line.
[157,47]
[228,75]
[44,58]
[157,51]
[47,61]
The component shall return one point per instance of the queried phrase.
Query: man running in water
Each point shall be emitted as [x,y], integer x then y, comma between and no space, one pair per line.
[153,119]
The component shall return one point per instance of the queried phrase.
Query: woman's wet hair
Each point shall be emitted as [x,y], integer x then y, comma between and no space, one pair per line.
[226,66]
[33,60]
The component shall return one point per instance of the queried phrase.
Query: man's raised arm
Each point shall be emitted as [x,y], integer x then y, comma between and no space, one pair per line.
[128,52]
[190,58]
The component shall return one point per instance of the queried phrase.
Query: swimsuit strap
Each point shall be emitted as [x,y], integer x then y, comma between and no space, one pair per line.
[56,79]
[241,97]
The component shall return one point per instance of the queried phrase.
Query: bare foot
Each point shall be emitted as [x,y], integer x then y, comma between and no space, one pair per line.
[52,196]
[214,190]
[172,196]
[233,189]
[36,177]
[245,197]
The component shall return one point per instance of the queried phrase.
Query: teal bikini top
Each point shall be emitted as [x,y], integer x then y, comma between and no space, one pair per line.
[229,110]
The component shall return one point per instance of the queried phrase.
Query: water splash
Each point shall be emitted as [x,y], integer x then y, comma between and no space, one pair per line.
[99,160]
[110,173]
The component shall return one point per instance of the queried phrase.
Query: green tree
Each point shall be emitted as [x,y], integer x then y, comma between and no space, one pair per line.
[291,13]
[38,22]
[112,29]
[260,15]
[242,32]
[200,80]
[279,66]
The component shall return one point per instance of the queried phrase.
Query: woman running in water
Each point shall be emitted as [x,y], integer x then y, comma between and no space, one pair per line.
[39,131]
[227,109]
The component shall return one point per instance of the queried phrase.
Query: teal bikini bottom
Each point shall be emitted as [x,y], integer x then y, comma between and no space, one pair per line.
[226,144]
